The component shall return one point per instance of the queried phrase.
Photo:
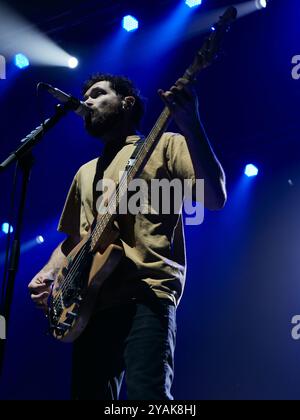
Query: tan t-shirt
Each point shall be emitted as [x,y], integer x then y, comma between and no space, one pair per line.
[154,244]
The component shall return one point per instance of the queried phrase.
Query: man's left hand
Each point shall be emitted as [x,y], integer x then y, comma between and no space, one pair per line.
[182,102]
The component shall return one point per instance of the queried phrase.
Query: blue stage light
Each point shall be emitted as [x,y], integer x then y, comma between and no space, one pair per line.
[193,3]
[130,23]
[251,170]
[5,227]
[39,239]
[21,61]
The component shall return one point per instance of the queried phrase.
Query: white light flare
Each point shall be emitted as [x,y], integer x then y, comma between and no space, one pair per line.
[17,34]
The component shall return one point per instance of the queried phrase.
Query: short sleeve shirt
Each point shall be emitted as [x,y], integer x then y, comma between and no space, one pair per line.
[154,245]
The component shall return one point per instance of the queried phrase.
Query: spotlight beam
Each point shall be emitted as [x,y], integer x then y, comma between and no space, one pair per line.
[18,36]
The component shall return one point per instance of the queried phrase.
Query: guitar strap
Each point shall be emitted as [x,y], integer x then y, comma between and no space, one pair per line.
[132,159]
[100,168]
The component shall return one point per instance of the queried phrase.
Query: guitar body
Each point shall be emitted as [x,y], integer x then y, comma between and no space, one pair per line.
[76,287]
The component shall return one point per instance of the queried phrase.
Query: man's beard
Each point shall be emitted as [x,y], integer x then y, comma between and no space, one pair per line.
[103,124]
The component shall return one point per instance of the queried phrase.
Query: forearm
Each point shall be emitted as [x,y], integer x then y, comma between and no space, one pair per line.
[183,104]
[55,260]
[207,167]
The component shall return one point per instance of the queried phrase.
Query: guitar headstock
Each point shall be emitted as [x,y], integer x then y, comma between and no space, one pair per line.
[212,44]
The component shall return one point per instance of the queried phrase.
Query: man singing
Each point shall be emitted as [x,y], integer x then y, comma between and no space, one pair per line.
[133,328]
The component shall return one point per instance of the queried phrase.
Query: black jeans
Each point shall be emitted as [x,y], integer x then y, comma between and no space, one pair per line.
[136,337]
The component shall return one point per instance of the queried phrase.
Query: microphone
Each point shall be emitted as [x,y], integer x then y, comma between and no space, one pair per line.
[79,107]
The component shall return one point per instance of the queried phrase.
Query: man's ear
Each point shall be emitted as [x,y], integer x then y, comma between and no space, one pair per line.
[129,102]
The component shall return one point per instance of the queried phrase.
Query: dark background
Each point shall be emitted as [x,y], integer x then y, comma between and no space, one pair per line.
[243,288]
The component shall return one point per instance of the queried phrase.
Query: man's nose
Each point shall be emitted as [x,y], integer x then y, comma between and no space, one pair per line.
[89,102]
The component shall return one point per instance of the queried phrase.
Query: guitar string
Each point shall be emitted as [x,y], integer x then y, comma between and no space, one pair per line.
[100,226]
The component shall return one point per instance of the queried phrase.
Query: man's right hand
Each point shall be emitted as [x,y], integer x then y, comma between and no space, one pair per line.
[40,285]
[40,288]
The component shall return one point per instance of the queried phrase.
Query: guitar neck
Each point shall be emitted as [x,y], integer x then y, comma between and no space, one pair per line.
[104,221]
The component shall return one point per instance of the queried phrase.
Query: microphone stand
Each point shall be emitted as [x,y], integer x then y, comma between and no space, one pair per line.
[23,156]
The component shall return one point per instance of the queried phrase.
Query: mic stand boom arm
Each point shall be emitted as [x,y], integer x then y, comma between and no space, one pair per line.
[35,136]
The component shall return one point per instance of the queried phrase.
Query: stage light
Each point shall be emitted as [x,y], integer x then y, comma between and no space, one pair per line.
[130,23]
[40,240]
[21,61]
[193,3]
[251,170]
[5,227]
[72,62]
[261,4]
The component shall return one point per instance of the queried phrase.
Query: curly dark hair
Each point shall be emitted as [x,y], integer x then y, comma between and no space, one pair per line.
[123,87]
